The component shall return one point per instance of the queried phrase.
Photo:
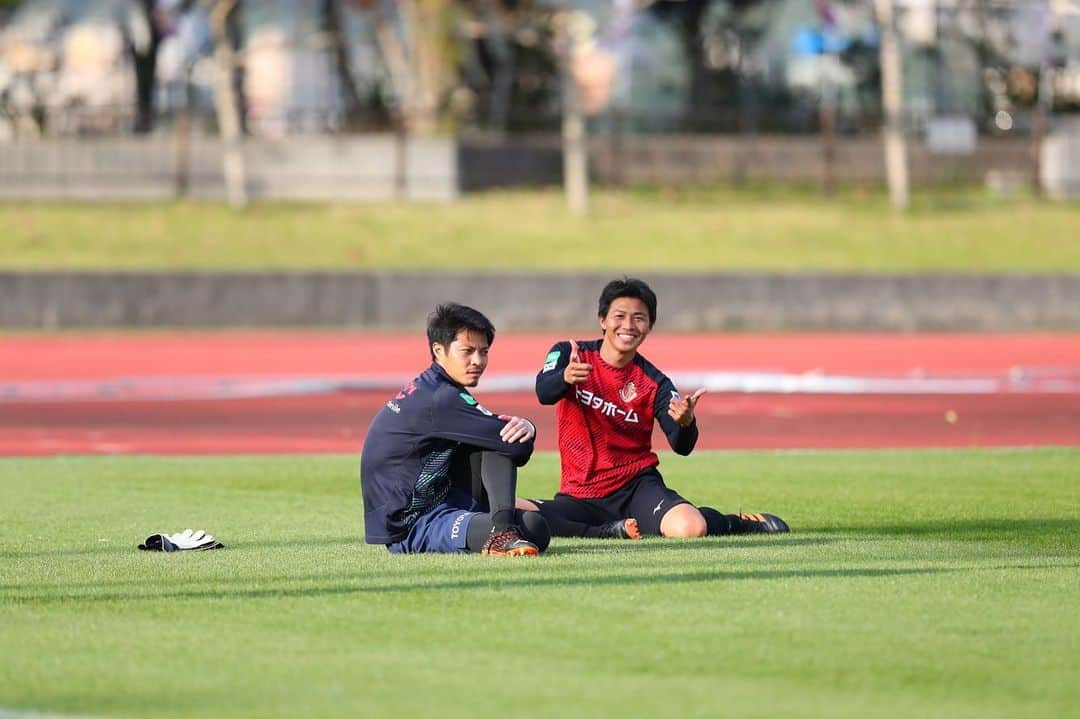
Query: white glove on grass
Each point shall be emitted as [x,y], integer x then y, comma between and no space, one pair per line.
[195,540]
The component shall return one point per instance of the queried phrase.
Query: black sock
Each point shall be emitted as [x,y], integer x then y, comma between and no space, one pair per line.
[593,531]
[718,524]
[499,476]
[533,528]
[563,527]
[478,533]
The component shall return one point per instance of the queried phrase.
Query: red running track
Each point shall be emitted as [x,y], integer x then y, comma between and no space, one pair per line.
[75,423]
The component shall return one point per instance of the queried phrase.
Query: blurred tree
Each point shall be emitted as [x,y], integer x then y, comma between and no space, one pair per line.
[508,76]
[144,57]
[333,25]
[429,24]
[415,39]
[686,17]
[228,94]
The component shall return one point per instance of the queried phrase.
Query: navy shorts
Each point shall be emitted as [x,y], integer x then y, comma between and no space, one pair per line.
[442,530]
[645,498]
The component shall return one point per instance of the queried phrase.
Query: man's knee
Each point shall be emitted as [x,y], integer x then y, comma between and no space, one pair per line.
[683,521]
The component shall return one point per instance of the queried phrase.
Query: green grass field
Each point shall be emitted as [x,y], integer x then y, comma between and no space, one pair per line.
[694,229]
[928,584]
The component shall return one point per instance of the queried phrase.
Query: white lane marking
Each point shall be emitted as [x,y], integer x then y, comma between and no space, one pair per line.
[1018,380]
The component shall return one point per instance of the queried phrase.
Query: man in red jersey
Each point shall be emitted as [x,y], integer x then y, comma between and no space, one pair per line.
[606,398]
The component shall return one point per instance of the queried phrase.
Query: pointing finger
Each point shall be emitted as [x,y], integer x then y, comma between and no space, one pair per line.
[574,351]
[696,396]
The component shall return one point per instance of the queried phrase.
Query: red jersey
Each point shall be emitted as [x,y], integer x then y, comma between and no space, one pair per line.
[605,423]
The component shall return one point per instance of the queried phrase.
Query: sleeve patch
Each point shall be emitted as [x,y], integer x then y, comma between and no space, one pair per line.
[551,360]
[471,401]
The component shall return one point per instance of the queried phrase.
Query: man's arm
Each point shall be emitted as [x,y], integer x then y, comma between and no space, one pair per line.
[676,416]
[458,416]
[562,369]
[550,383]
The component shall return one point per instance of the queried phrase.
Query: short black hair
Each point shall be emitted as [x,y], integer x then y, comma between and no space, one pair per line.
[628,287]
[450,318]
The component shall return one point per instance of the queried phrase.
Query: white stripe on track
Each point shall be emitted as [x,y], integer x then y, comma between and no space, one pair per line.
[1040,380]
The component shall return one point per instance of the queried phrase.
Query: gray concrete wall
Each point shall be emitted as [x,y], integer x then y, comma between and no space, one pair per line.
[537,301]
[318,168]
[800,159]
[383,167]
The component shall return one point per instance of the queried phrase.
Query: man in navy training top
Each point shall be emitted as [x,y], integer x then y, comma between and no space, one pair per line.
[606,397]
[439,471]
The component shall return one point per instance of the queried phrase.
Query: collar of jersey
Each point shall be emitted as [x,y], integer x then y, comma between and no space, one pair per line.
[438,369]
[613,368]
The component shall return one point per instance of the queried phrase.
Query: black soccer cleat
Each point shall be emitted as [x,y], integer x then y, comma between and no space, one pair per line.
[509,543]
[758,523]
[620,529]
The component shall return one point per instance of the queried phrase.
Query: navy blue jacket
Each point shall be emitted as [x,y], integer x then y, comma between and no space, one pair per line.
[409,448]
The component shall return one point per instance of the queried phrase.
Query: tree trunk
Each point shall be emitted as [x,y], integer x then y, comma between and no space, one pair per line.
[227,101]
[574,138]
[502,52]
[896,168]
[334,26]
[396,58]
[427,25]
[145,61]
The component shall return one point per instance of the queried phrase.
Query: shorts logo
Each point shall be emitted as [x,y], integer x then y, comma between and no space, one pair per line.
[455,529]
[629,392]
[551,360]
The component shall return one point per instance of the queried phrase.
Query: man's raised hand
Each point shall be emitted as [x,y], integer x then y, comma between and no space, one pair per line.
[682,409]
[517,429]
[577,371]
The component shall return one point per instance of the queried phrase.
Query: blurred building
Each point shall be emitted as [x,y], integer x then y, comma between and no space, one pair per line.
[726,65]
[468,94]
[66,66]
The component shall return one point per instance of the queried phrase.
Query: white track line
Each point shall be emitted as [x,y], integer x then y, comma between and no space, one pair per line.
[141,389]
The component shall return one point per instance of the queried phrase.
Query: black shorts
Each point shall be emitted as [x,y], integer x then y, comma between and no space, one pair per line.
[645,498]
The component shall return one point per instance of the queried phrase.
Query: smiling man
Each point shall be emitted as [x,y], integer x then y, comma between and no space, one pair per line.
[606,398]
[439,471]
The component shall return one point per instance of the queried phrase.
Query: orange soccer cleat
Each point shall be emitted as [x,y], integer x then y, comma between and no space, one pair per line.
[509,543]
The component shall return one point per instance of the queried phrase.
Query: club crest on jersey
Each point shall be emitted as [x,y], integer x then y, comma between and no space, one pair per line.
[628,392]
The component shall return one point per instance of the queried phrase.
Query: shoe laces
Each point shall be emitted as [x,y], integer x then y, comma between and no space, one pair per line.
[504,538]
